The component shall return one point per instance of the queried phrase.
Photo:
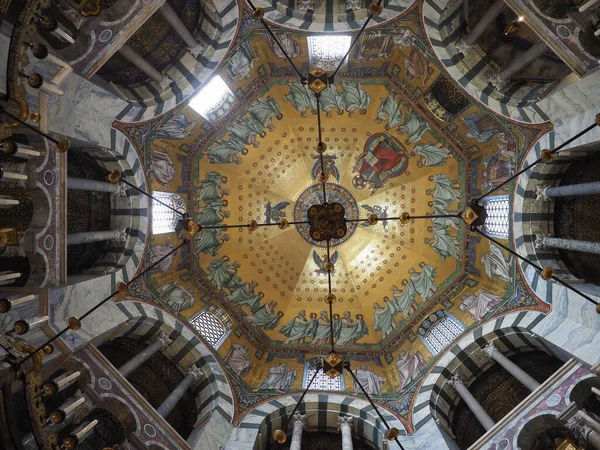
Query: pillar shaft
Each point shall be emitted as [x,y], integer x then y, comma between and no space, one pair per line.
[483,25]
[94,236]
[138,61]
[567,244]
[8,277]
[472,403]
[143,356]
[492,351]
[523,61]
[171,16]
[345,423]
[298,421]
[171,401]
[82,184]
[574,190]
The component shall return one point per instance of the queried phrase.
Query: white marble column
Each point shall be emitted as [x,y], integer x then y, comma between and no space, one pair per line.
[590,4]
[483,417]
[10,176]
[502,79]
[583,431]
[138,61]
[119,235]
[82,184]
[8,277]
[6,201]
[194,47]
[492,352]
[484,23]
[572,190]
[161,342]
[345,423]
[543,241]
[171,401]
[13,148]
[298,422]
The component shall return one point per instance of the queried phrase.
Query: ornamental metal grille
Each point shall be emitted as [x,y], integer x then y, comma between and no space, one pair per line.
[213,324]
[442,334]
[496,223]
[322,382]
[326,52]
[163,218]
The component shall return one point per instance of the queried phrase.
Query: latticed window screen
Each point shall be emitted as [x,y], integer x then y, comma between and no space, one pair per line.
[322,381]
[326,52]
[214,100]
[497,221]
[213,324]
[164,219]
[442,334]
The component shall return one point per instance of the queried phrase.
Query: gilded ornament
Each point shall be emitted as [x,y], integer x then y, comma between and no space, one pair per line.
[37,357]
[469,215]
[56,417]
[375,9]
[546,155]
[283,223]
[330,298]
[548,273]
[321,147]
[598,308]
[323,177]
[252,225]
[48,349]
[122,288]
[258,14]
[49,389]
[329,267]
[317,80]
[69,443]
[63,145]
[115,176]
[373,219]
[5,305]
[332,365]
[34,117]
[35,80]
[598,119]
[404,218]
[8,147]
[279,436]
[40,51]
[21,327]
[392,434]
[73,323]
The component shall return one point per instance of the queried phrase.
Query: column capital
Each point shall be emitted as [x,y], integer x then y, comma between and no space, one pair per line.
[196,372]
[490,349]
[121,190]
[540,241]
[461,45]
[163,338]
[298,418]
[456,380]
[345,420]
[578,426]
[540,192]
[196,50]
[165,82]
[497,82]
[120,235]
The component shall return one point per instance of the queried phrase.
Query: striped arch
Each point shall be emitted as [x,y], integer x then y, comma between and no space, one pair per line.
[277,13]
[322,412]
[214,394]
[436,399]
[443,20]
[218,29]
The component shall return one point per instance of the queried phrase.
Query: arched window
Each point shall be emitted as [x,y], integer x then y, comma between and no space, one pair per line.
[496,222]
[322,382]
[163,218]
[326,52]
[213,324]
[214,100]
[439,330]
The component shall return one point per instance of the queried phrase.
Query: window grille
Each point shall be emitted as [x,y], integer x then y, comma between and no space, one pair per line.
[497,221]
[439,330]
[326,52]
[214,100]
[164,219]
[322,382]
[213,324]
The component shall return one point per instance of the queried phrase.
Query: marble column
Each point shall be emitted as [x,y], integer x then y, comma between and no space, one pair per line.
[298,422]
[17,149]
[82,184]
[484,23]
[584,432]
[138,61]
[572,190]
[171,401]
[345,423]
[194,47]
[502,79]
[483,417]
[543,241]
[6,201]
[161,342]
[524,378]
[11,177]
[8,277]
[119,235]
[591,4]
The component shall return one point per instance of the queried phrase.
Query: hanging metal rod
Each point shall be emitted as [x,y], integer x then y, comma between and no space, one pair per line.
[320,146]
[98,305]
[32,128]
[330,300]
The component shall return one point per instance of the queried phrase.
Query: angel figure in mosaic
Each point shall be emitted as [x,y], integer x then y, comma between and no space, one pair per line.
[210,241]
[210,188]
[415,127]
[431,155]
[481,128]
[243,295]
[351,330]
[442,242]
[161,167]
[384,317]
[177,127]
[328,167]
[380,212]
[265,316]
[240,64]
[409,365]
[403,301]
[221,272]
[301,98]
[320,261]
[370,381]
[238,359]
[264,111]
[227,152]
[247,129]
[445,190]
[355,98]
[291,47]
[390,110]
[212,213]
[496,264]
[332,100]
[157,252]
[478,305]
[274,214]
[424,282]
[176,296]
[280,379]
[440,208]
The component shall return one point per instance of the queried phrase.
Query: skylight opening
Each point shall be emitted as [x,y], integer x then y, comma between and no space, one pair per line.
[326,51]
[214,100]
